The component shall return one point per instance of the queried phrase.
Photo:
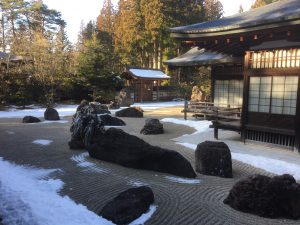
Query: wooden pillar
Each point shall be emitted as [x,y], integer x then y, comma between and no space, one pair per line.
[185,108]
[157,90]
[244,116]
[141,91]
[297,124]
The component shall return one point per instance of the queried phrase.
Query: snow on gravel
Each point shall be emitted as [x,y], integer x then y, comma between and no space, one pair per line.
[274,166]
[42,142]
[146,216]
[137,183]
[182,180]
[63,110]
[9,132]
[199,126]
[27,196]
[82,162]
[52,121]
[156,105]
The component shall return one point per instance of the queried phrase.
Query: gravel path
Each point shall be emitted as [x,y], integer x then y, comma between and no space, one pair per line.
[93,183]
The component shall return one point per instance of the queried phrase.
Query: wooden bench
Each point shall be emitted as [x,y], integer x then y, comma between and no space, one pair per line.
[227,119]
[199,109]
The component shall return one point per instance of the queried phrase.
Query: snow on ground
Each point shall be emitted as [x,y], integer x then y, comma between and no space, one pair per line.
[182,180]
[27,196]
[52,121]
[146,216]
[199,126]
[274,166]
[9,132]
[82,162]
[42,142]
[156,105]
[69,110]
[63,110]
[137,183]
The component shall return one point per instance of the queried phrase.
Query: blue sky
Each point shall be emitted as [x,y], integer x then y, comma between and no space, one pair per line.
[76,11]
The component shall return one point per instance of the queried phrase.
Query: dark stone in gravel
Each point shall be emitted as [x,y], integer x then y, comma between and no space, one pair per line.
[51,114]
[152,126]
[128,205]
[30,119]
[277,197]
[130,112]
[107,120]
[116,146]
[214,159]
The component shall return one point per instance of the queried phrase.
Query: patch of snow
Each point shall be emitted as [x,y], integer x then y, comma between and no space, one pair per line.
[28,197]
[188,145]
[146,216]
[157,105]
[183,180]
[55,121]
[199,126]
[42,142]
[63,110]
[82,162]
[275,166]
[137,183]
[9,132]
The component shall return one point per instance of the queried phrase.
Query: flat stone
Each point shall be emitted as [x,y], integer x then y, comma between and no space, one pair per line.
[128,205]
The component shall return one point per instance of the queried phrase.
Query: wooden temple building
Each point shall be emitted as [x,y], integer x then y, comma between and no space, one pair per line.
[145,83]
[266,81]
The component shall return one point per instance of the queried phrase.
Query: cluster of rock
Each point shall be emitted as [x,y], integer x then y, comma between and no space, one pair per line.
[152,126]
[87,123]
[128,205]
[267,197]
[198,95]
[49,114]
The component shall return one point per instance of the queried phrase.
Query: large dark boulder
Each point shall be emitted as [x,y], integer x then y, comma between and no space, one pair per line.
[116,146]
[214,159]
[152,126]
[275,197]
[130,112]
[30,119]
[128,205]
[85,125]
[108,120]
[51,114]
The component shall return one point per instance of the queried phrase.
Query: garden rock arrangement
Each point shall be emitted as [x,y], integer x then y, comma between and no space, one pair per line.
[100,108]
[214,159]
[130,112]
[85,125]
[267,197]
[108,120]
[128,205]
[152,126]
[51,114]
[30,119]
[117,146]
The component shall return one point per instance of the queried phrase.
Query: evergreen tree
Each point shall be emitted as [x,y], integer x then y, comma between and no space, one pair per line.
[260,3]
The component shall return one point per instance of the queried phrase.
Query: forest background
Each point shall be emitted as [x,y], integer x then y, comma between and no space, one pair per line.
[48,68]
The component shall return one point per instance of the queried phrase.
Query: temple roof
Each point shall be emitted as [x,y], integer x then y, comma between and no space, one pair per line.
[147,74]
[198,57]
[278,14]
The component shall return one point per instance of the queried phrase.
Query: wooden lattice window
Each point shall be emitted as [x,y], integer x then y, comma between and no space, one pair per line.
[276,95]
[228,93]
[274,59]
